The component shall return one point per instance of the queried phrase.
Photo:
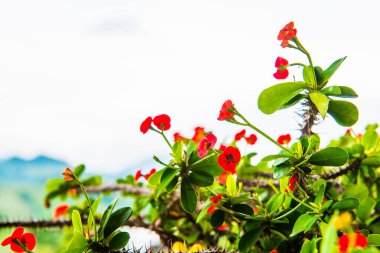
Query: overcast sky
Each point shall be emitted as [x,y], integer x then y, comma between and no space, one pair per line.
[77,77]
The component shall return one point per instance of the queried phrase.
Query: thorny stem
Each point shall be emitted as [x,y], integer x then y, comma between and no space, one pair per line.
[309,118]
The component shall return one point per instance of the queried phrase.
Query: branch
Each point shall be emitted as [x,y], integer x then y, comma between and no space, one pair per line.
[353,167]
[125,188]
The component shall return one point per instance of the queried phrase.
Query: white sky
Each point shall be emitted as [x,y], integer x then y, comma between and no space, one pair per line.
[77,77]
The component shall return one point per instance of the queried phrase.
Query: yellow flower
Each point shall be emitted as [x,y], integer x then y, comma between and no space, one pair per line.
[343,221]
[196,248]
[179,247]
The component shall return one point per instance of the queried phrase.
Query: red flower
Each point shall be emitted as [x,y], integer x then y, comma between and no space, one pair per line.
[68,174]
[282,71]
[344,241]
[60,210]
[138,175]
[222,147]
[287,33]
[216,199]
[225,113]
[239,135]
[27,239]
[179,137]
[223,227]
[145,125]
[206,144]
[229,158]
[251,139]
[284,139]
[348,132]
[152,171]
[273,251]
[292,182]
[198,134]
[222,178]
[211,209]
[162,122]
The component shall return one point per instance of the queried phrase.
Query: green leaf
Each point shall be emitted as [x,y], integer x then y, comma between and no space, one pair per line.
[280,171]
[365,208]
[327,74]
[243,208]
[77,221]
[346,204]
[203,212]
[318,74]
[332,156]
[105,218]
[308,75]
[119,241]
[188,196]
[370,139]
[201,178]
[272,98]
[217,218]
[293,101]
[358,191]
[177,151]
[172,184]
[94,208]
[248,240]
[78,243]
[339,91]
[320,194]
[166,178]
[269,158]
[344,113]
[155,179]
[301,223]
[372,161]
[307,247]
[275,202]
[231,185]
[209,164]
[321,101]
[79,170]
[373,240]
[117,219]
[329,239]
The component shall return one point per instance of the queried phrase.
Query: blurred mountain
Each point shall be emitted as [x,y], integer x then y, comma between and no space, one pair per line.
[34,171]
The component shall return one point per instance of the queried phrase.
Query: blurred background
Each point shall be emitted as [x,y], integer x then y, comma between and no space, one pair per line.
[78,77]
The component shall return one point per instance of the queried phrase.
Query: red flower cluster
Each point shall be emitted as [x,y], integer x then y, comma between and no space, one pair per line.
[292,182]
[282,72]
[249,139]
[162,122]
[216,199]
[222,178]
[199,133]
[206,144]
[284,139]
[60,210]
[273,251]
[223,227]
[287,33]
[146,176]
[359,241]
[178,137]
[240,135]
[211,209]
[229,159]
[225,113]
[26,239]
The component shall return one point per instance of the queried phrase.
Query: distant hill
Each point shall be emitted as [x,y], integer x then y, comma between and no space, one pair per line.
[34,171]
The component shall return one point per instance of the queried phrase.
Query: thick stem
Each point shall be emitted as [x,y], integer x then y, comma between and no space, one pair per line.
[309,119]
